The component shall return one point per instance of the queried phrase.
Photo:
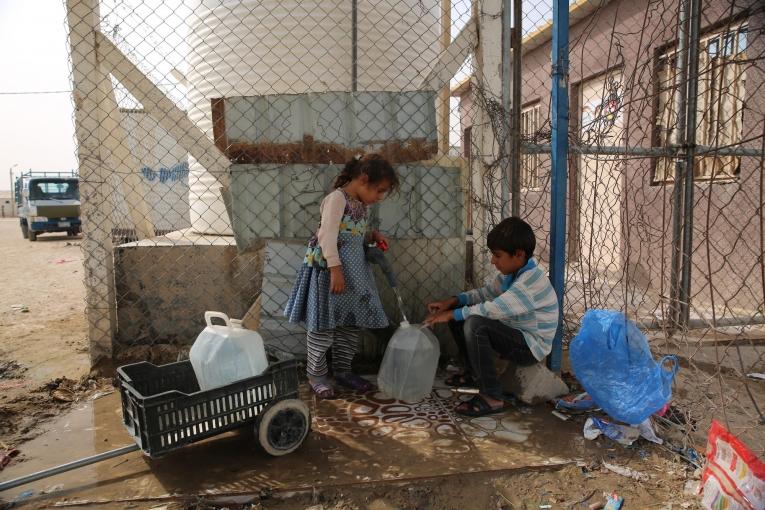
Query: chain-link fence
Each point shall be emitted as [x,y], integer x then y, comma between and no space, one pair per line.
[685,261]
[210,131]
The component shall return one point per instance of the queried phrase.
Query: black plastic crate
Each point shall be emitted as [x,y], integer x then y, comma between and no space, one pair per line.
[163,408]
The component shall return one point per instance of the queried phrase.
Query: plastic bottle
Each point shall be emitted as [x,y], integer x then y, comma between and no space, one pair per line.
[225,354]
[409,364]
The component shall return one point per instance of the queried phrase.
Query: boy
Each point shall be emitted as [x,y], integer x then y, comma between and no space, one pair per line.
[515,316]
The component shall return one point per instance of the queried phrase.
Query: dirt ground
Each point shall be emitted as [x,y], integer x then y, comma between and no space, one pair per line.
[44,372]
[43,347]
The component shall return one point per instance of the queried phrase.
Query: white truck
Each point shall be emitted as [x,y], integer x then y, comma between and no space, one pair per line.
[48,202]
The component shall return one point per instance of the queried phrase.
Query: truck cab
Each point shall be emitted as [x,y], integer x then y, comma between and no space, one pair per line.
[48,202]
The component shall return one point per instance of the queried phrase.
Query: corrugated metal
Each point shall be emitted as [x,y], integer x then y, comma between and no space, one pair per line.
[282,201]
[247,48]
[345,118]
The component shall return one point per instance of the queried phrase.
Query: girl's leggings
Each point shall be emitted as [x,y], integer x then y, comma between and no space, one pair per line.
[344,342]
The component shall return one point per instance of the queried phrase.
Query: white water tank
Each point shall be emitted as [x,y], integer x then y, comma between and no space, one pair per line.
[259,47]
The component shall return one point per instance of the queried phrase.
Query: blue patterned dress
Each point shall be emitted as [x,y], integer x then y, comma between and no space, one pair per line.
[311,301]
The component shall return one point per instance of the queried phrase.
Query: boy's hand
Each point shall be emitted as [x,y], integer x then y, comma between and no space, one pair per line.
[436,318]
[443,305]
[336,280]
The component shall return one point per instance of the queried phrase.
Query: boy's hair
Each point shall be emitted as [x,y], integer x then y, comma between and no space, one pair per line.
[374,166]
[512,234]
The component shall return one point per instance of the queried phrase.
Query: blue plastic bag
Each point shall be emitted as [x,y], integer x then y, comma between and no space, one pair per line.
[612,361]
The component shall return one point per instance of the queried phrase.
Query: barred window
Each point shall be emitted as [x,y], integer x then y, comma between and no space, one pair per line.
[720,108]
[530,162]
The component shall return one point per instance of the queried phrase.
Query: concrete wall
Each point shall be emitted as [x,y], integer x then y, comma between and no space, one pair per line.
[7,206]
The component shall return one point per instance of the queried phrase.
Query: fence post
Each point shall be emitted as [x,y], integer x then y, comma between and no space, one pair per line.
[690,140]
[83,19]
[509,106]
[681,88]
[559,178]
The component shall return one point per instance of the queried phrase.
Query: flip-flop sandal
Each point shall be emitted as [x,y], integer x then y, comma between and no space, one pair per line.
[477,406]
[354,382]
[322,391]
[460,380]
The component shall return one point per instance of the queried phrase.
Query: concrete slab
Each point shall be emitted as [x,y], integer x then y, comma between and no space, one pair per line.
[355,439]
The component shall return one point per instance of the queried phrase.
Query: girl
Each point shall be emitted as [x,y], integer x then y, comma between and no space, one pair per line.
[335,293]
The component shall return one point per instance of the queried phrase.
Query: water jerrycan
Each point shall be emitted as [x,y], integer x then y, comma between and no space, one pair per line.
[409,364]
[225,354]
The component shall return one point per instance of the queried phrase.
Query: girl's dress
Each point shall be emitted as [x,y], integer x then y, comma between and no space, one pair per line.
[311,301]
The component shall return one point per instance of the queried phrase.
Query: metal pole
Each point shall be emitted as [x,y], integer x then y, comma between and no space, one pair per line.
[681,84]
[10,484]
[690,139]
[507,109]
[515,163]
[354,45]
[559,155]
[444,94]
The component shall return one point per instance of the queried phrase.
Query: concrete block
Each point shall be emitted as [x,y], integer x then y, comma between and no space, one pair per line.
[532,384]
[165,284]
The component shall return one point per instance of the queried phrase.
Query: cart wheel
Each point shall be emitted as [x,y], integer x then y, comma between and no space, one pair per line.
[283,427]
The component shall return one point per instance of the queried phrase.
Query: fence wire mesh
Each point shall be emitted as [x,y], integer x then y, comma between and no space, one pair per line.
[209,132]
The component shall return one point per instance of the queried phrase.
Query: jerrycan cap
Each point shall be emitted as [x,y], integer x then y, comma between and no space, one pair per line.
[404,324]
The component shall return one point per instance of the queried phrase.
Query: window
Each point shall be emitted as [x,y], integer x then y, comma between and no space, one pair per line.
[54,190]
[530,162]
[720,109]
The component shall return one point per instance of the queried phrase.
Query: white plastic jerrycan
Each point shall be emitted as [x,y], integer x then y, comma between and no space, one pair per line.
[222,355]
[409,364]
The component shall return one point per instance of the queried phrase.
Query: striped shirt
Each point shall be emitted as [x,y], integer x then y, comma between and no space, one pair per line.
[524,301]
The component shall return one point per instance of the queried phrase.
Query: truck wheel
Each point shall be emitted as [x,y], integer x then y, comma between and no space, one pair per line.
[25,230]
[32,235]
[283,427]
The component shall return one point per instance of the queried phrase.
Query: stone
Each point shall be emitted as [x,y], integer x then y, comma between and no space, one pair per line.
[532,384]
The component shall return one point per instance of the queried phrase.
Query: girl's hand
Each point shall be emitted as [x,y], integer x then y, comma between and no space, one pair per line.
[443,305]
[436,318]
[336,280]
[381,240]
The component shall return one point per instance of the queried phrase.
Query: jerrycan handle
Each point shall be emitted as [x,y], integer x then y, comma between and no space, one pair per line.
[209,316]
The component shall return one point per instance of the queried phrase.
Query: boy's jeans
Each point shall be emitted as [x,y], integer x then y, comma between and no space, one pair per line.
[479,339]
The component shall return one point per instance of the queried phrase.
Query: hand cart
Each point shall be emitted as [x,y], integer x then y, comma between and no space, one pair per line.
[163,410]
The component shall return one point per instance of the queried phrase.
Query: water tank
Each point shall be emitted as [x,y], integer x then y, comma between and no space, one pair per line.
[248,48]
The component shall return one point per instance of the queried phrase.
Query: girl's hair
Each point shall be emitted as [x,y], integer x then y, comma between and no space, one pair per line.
[374,166]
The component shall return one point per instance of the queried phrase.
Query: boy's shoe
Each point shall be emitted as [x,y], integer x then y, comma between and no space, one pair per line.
[477,406]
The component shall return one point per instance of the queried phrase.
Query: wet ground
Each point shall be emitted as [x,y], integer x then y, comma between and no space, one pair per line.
[357,441]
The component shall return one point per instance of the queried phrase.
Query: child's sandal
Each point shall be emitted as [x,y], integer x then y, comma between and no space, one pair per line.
[354,382]
[323,391]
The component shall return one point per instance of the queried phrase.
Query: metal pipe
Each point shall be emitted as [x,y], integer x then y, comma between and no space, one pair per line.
[515,154]
[681,84]
[10,484]
[507,109]
[354,45]
[690,139]
[651,152]
[559,157]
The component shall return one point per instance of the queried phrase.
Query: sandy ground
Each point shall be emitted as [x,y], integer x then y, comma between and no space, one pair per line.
[42,328]
[44,384]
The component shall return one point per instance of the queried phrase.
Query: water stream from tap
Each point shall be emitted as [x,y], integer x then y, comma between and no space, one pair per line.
[400,303]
